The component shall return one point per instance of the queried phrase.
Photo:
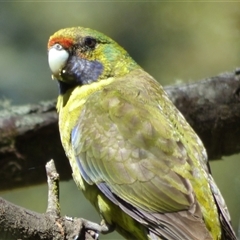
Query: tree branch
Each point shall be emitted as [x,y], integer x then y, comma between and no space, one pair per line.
[29,137]
[17,222]
[29,134]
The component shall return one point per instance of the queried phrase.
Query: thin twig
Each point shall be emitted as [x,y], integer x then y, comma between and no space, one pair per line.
[53,189]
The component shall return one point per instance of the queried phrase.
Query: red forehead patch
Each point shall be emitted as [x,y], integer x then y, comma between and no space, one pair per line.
[65,42]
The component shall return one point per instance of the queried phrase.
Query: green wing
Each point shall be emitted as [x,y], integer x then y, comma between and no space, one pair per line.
[127,144]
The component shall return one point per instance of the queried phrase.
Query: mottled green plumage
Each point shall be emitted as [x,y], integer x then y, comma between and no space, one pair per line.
[132,152]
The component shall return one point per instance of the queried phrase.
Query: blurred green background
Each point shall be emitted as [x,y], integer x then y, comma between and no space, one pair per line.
[173,41]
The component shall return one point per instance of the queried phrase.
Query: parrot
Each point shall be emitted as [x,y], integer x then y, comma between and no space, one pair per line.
[131,151]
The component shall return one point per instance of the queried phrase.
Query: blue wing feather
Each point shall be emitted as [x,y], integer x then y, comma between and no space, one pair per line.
[74,140]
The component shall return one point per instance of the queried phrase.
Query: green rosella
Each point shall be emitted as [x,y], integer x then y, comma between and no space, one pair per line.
[132,153]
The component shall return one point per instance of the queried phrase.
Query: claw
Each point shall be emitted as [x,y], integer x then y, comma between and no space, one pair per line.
[106,228]
[93,234]
[103,228]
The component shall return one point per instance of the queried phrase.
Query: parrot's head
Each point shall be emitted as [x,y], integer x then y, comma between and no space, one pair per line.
[79,56]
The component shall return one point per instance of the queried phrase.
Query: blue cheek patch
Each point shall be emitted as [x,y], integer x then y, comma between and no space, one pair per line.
[81,71]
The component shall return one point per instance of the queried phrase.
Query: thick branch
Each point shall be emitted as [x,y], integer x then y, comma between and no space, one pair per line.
[20,223]
[29,134]
[29,137]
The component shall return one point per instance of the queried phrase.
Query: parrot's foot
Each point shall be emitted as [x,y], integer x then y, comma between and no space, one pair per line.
[106,228]
[94,229]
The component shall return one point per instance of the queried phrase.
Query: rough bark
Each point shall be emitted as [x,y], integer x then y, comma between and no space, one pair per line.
[29,137]
[19,223]
[29,134]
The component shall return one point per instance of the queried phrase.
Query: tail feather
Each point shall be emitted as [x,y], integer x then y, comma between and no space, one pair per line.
[180,226]
[224,216]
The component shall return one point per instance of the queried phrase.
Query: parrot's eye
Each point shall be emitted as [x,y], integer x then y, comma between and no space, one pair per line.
[58,46]
[90,42]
